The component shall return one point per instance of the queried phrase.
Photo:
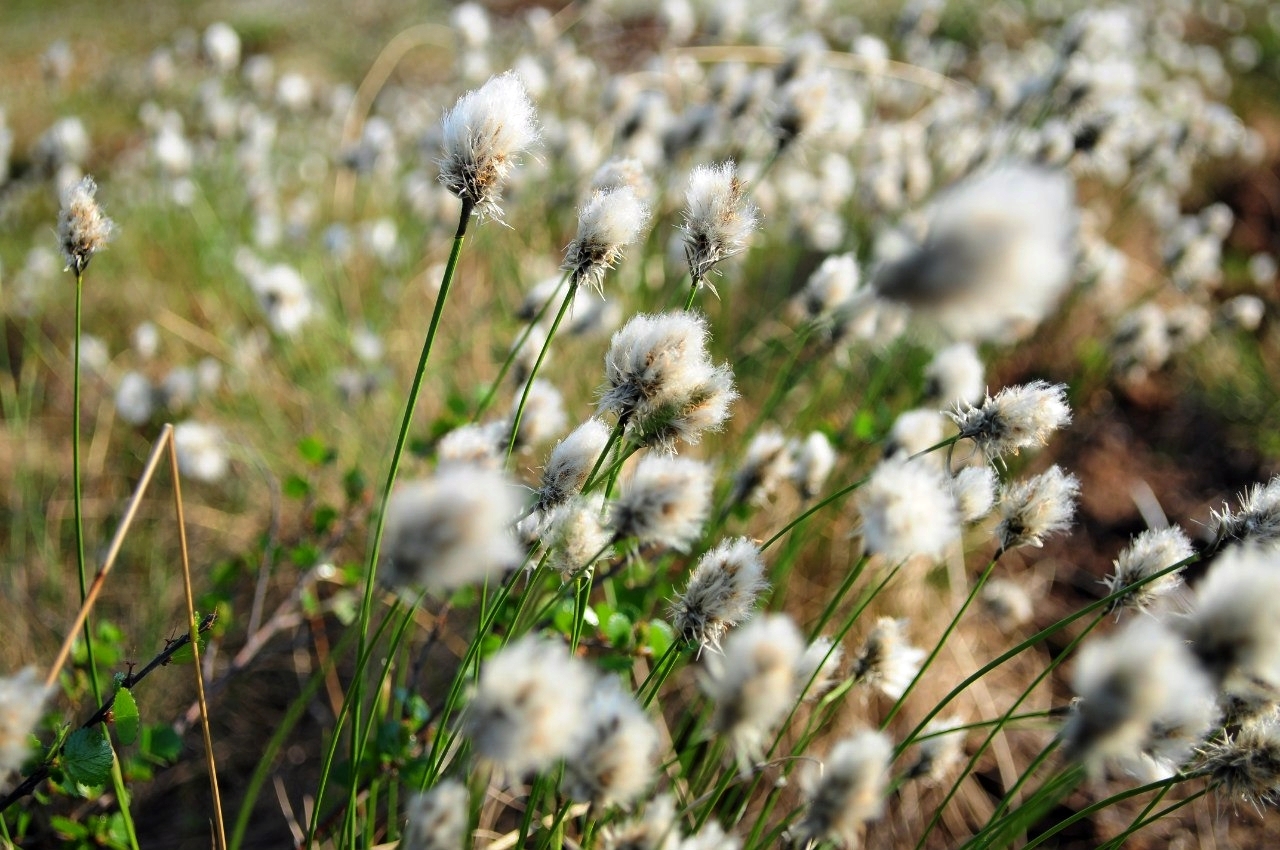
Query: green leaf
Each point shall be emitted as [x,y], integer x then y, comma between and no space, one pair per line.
[184,654]
[313,450]
[864,425]
[296,487]
[353,485]
[125,711]
[323,518]
[161,744]
[658,637]
[67,828]
[618,630]
[86,758]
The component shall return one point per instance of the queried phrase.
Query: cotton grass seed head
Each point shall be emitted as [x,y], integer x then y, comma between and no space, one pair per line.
[83,230]
[1150,552]
[1037,507]
[665,503]
[483,137]
[1246,765]
[974,489]
[766,465]
[811,462]
[753,682]
[529,705]
[954,376]
[575,535]
[656,829]
[817,669]
[22,699]
[940,750]
[571,461]
[1015,418]
[831,286]
[886,659]
[614,763]
[721,592]
[849,791]
[438,818]
[450,530]
[718,218]
[907,510]
[610,220]
[1257,520]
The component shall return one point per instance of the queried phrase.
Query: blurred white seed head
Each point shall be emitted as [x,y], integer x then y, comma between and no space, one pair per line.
[22,699]
[817,669]
[529,705]
[914,431]
[718,217]
[721,592]
[1008,603]
[974,489]
[483,137]
[451,529]
[571,461]
[665,502]
[543,415]
[1246,764]
[656,829]
[1149,553]
[615,761]
[831,286]
[711,837]
[82,228]
[438,818]
[998,252]
[907,510]
[575,534]
[483,446]
[1130,685]
[202,451]
[610,220]
[135,398]
[767,464]
[811,462]
[1034,508]
[941,751]
[803,108]
[1257,520]
[1015,418]
[886,660]
[221,46]
[954,376]
[753,682]
[623,173]
[849,791]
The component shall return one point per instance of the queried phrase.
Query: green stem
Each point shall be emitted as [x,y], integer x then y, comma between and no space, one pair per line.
[1116,798]
[693,293]
[614,436]
[492,392]
[1143,822]
[542,354]
[76,484]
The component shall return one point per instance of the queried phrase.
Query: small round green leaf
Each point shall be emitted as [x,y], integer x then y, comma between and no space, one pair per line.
[125,711]
[86,757]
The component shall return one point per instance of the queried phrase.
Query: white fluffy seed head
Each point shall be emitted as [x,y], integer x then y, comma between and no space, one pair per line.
[22,699]
[483,137]
[450,530]
[1032,509]
[886,659]
[767,464]
[482,446]
[656,829]
[974,489]
[830,287]
[575,535]
[623,172]
[529,705]
[849,791]
[665,503]
[83,230]
[998,252]
[907,510]
[817,669]
[438,818]
[1015,418]
[753,682]
[1149,553]
[202,451]
[1133,687]
[955,376]
[811,463]
[721,592]
[1246,765]
[610,220]
[940,750]
[718,217]
[1257,520]
[1008,603]
[803,107]
[543,415]
[914,431]
[571,461]
[614,763]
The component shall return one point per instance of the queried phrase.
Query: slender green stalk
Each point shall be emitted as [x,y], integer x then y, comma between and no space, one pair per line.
[614,436]
[693,293]
[977,588]
[1116,798]
[1143,822]
[122,797]
[76,484]
[492,392]
[533,373]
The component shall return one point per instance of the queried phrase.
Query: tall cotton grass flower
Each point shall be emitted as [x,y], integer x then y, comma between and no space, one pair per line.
[803,104]
[974,489]
[614,762]
[1015,418]
[1247,764]
[907,510]
[450,530]
[886,660]
[766,465]
[1149,553]
[1008,603]
[665,503]
[661,383]
[811,462]
[483,137]
[529,705]
[570,463]
[817,669]
[753,682]
[610,220]
[656,829]
[22,698]
[849,791]
[955,376]
[718,218]
[1032,509]
[1257,520]
[82,228]
[202,451]
[721,592]
[1132,685]
[913,432]
[1234,629]
[941,748]
[438,818]
[575,534]
[828,290]
[997,253]
[543,416]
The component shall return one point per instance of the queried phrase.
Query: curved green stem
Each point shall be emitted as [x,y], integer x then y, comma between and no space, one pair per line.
[492,392]
[546,346]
